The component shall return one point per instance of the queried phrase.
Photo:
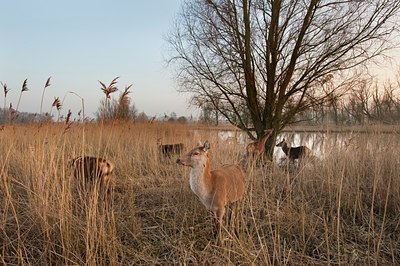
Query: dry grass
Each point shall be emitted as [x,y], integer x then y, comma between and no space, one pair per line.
[342,209]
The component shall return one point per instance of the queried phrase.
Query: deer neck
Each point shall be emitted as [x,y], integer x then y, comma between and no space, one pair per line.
[200,180]
[285,148]
[263,140]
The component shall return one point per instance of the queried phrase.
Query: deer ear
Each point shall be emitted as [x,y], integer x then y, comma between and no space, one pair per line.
[199,144]
[206,146]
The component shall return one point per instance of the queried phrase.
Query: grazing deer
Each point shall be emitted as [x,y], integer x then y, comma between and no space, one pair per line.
[294,152]
[92,170]
[215,188]
[167,150]
[257,148]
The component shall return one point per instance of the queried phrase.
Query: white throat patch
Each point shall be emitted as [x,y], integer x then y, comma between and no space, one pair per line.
[197,184]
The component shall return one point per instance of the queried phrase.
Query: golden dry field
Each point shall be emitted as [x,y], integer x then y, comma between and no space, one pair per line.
[341,208]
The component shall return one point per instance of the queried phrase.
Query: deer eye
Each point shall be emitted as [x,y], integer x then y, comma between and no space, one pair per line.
[196,153]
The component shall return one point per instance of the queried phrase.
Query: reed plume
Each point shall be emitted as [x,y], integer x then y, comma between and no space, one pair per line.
[122,109]
[67,120]
[6,90]
[58,105]
[124,96]
[110,88]
[24,88]
[45,86]
[107,91]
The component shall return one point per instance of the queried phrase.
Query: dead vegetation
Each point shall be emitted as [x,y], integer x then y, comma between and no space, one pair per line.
[342,209]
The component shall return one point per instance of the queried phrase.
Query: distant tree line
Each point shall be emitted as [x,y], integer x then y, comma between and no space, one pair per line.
[7,116]
[365,102]
[362,102]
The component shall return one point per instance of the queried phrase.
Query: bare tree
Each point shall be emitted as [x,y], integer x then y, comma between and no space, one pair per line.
[266,59]
[372,101]
[358,103]
[385,103]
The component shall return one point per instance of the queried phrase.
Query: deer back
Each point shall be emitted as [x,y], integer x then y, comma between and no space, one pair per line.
[257,147]
[170,149]
[91,168]
[298,152]
[231,180]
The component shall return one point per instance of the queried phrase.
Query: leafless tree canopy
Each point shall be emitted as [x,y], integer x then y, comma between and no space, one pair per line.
[259,62]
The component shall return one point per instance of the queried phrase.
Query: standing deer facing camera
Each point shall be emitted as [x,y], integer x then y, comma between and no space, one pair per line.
[215,188]
[92,170]
[294,152]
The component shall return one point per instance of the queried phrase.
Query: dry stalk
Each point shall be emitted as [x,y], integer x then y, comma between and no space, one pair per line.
[24,88]
[6,90]
[45,86]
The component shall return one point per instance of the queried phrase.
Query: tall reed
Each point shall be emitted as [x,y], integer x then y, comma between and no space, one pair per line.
[47,84]
[23,88]
[341,208]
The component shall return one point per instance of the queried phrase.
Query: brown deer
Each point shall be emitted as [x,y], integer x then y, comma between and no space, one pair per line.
[92,170]
[294,153]
[215,188]
[167,150]
[257,148]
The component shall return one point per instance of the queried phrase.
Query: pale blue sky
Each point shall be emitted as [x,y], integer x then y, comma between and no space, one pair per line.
[81,42]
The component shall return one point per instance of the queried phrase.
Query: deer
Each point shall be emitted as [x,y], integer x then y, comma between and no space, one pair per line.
[257,148]
[214,188]
[294,153]
[167,150]
[92,170]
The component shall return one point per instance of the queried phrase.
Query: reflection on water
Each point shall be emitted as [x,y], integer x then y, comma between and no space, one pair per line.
[316,141]
[233,136]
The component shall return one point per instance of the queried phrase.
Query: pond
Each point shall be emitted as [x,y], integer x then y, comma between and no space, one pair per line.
[318,142]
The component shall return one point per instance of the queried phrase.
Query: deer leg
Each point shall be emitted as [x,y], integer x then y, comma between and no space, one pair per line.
[219,214]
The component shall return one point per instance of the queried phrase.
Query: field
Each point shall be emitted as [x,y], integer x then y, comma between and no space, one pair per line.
[343,208]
